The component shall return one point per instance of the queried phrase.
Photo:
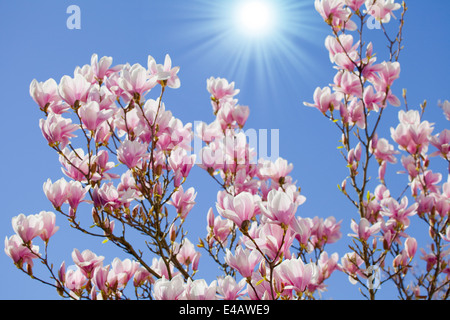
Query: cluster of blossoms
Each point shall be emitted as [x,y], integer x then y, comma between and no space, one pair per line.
[127,159]
[362,89]
[257,233]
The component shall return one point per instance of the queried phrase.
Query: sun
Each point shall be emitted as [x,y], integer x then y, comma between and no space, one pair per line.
[255,18]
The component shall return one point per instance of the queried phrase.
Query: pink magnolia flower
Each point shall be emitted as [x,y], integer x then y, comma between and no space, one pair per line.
[243,260]
[183,201]
[324,100]
[200,290]
[410,247]
[302,229]
[238,208]
[57,192]
[27,227]
[219,88]
[103,165]
[279,169]
[442,142]
[165,289]
[74,89]
[398,212]
[181,161]
[212,157]
[382,9]
[75,279]
[412,134]
[218,227]
[100,278]
[57,130]
[141,276]
[44,93]
[186,254]
[209,132]
[229,289]
[334,14]
[164,73]
[87,261]
[348,83]
[382,150]
[135,79]
[350,264]
[130,153]
[19,253]
[426,181]
[49,228]
[280,207]
[240,115]
[160,267]
[325,267]
[76,165]
[342,51]
[354,4]
[91,115]
[325,231]
[102,68]
[446,108]
[123,271]
[429,258]
[373,99]
[296,275]
[273,240]
[364,230]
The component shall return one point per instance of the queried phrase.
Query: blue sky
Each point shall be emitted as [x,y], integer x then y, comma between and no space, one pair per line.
[275,74]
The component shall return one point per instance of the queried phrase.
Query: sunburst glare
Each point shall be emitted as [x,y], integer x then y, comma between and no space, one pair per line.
[265,40]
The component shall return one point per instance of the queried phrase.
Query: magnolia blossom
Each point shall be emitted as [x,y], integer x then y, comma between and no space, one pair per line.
[57,130]
[446,108]
[342,51]
[412,133]
[243,260]
[442,142]
[382,10]
[186,253]
[364,230]
[19,253]
[229,289]
[382,150]
[296,275]
[135,79]
[164,289]
[48,224]
[122,271]
[44,93]
[164,73]
[183,201]
[91,115]
[27,227]
[87,261]
[200,290]
[280,207]
[238,209]
[74,89]
[130,153]
[75,279]
[325,100]
[57,193]
[334,14]
[350,264]
[219,88]
[398,211]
